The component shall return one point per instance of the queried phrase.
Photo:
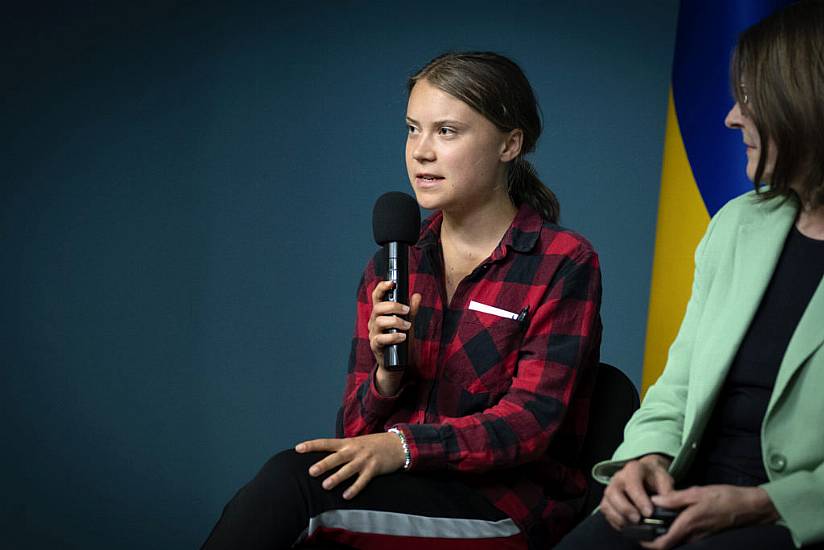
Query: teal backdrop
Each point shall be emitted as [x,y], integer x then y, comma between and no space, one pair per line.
[186,208]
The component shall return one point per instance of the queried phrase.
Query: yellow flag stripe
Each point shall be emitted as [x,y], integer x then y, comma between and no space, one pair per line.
[682,220]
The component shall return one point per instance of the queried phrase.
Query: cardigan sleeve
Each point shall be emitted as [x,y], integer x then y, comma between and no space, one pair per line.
[799,499]
[657,426]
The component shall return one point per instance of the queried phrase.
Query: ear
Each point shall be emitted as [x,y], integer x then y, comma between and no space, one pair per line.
[511,147]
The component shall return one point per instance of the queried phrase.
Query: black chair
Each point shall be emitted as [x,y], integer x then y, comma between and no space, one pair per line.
[614,400]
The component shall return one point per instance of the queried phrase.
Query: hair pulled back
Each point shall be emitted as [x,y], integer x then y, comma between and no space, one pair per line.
[497,88]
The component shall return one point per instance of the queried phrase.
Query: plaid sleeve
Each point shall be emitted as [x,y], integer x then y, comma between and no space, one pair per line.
[364,410]
[562,339]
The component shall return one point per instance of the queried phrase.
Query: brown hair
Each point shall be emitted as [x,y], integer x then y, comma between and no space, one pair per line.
[781,62]
[497,88]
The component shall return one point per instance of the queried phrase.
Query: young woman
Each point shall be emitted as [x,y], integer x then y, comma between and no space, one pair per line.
[730,434]
[476,443]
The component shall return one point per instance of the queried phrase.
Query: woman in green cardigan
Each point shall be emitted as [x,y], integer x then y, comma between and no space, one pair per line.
[732,434]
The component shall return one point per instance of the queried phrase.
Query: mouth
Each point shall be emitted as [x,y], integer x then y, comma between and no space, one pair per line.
[427,180]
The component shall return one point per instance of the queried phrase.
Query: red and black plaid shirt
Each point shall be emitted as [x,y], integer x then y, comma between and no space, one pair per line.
[503,401]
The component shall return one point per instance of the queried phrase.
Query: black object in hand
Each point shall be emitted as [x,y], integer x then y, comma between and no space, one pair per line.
[652,527]
[396,222]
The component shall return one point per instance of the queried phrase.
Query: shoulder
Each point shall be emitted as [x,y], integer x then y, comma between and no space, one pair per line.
[556,240]
[532,235]
[751,208]
[564,261]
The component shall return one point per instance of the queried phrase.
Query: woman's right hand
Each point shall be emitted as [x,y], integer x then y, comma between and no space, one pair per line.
[627,497]
[384,316]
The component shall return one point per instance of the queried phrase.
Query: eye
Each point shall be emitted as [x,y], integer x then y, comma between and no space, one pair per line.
[745,97]
[411,129]
[446,131]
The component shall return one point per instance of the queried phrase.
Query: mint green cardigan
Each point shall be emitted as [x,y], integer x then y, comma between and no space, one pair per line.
[733,265]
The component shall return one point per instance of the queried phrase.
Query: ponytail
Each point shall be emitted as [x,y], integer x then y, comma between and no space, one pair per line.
[524,186]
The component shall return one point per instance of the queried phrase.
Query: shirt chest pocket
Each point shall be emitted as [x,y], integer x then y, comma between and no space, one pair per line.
[482,353]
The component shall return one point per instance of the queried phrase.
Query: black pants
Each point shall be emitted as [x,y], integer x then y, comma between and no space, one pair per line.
[595,532]
[283,505]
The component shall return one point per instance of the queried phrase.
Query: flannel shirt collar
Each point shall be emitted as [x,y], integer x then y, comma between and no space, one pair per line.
[521,236]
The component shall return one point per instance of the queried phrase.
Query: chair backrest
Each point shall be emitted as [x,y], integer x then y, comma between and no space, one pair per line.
[614,400]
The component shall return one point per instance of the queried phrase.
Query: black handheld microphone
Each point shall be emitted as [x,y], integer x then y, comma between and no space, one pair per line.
[396,222]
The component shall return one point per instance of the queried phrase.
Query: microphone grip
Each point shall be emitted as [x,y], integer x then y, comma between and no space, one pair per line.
[396,356]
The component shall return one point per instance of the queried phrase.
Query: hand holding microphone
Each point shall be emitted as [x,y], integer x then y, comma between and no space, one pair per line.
[389,326]
[396,223]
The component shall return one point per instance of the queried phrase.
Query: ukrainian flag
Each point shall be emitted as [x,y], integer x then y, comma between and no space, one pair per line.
[703,160]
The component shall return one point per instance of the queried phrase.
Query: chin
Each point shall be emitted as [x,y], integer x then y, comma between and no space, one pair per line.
[427,204]
[751,172]
[426,199]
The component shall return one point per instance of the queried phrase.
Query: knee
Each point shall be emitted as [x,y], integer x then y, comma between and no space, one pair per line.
[286,465]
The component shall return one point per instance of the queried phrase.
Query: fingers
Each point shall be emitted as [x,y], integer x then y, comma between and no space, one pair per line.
[319,445]
[365,477]
[382,307]
[624,511]
[389,308]
[682,528]
[364,456]
[688,525]
[380,290]
[365,474]
[661,481]
[678,499]
[626,498]
[383,340]
[345,472]
[627,493]
[636,490]
[414,305]
[385,322]
[330,462]
[613,518]
[379,325]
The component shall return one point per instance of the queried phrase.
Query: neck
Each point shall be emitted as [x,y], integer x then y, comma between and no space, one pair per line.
[810,222]
[479,226]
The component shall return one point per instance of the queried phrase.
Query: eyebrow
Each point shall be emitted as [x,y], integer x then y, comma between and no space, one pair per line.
[444,122]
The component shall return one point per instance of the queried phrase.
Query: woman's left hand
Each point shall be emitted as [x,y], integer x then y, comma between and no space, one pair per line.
[366,455]
[709,509]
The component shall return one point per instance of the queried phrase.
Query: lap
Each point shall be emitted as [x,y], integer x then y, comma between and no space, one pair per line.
[401,505]
[596,532]
[432,493]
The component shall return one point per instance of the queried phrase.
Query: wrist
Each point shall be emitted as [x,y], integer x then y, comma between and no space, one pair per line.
[655,459]
[407,456]
[761,505]
[387,383]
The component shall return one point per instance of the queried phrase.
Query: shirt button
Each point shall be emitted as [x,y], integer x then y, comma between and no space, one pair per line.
[777,462]
[694,445]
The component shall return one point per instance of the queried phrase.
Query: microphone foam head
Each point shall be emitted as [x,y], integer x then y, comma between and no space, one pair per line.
[396,218]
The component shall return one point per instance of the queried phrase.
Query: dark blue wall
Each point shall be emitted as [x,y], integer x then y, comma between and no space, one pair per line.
[185,211]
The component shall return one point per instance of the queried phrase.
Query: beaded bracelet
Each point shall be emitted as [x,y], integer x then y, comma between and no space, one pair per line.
[407,461]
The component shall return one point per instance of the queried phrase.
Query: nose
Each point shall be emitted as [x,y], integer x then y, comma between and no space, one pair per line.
[734,117]
[422,150]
